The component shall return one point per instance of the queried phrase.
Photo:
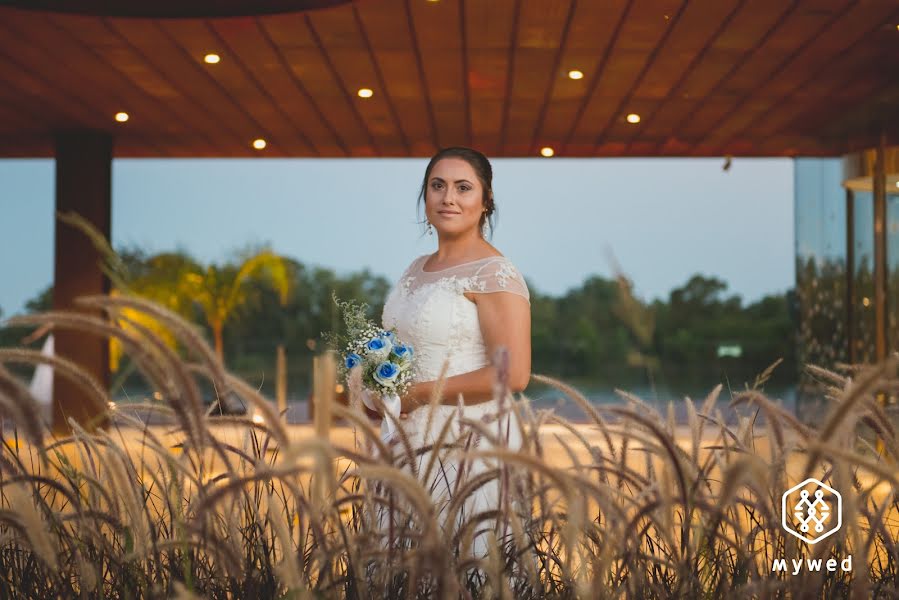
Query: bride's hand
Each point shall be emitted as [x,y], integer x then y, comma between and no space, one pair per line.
[409,402]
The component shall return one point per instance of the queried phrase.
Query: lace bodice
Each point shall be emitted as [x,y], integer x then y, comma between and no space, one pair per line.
[430,311]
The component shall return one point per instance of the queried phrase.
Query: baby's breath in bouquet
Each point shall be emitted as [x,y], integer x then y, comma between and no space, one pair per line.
[386,362]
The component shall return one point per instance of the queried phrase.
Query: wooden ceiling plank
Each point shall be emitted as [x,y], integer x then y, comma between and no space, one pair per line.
[393,115]
[29,85]
[309,63]
[13,119]
[370,146]
[793,146]
[149,116]
[850,79]
[466,91]
[325,136]
[30,110]
[752,23]
[488,29]
[837,133]
[798,31]
[390,45]
[259,101]
[554,77]
[27,145]
[436,27]
[227,87]
[354,66]
[510,77]
[97,77]
[23,62]
[202,100]
[263,64]
[621,131]
[540,37]
[690,35]
[672,16]
[589,35]
[422,75]
[574,143]
[747,30]
[695,33]
[849,29]
[541,30]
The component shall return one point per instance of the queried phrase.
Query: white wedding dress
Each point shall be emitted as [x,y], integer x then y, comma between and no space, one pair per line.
[430,312]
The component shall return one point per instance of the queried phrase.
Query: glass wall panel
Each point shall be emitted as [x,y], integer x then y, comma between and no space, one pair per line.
[864,323]
[821,234]
[893,272]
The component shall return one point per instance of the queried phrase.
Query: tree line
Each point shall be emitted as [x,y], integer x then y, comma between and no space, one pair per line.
[595,333]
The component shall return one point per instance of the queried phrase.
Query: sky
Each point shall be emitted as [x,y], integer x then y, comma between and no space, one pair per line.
[558,219]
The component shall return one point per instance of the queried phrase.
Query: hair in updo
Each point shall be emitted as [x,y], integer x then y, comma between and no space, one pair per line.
[482,169]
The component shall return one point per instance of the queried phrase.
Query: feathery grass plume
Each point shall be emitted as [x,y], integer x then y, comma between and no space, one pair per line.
[111,263]
[572,393]
[18,403]
[657,513]
[25,513]
[146,363]
[187,334]
[69,369]
[437,393]
[853,395]
[762,378]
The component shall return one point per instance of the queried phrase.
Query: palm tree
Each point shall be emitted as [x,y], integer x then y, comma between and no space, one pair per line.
[179,283]
[221,290]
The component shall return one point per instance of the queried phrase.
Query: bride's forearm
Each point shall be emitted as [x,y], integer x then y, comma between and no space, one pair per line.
[475,387]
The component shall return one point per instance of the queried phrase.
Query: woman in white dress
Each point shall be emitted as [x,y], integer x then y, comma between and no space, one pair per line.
[459,305]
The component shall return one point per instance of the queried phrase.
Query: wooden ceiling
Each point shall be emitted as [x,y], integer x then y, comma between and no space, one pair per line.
[707,77]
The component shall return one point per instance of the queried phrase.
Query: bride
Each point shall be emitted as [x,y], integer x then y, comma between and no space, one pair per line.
[457,307]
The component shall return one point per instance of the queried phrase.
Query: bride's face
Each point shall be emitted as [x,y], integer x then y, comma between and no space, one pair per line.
[454,200]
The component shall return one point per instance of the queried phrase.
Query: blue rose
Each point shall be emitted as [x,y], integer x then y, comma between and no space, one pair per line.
[390,336]
[379,347]
[386,374]
[402,352]
[352,360]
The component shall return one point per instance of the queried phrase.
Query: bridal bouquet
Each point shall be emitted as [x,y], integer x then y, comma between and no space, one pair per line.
[385,361]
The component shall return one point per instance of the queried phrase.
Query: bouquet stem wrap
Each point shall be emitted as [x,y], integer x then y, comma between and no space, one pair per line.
[392,404]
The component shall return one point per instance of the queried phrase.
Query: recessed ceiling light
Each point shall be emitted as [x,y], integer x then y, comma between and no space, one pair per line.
[212,58]
[897,184]
[575,74]
[259,144]
[633,118]
[365,93]
[121,117]
[547,151]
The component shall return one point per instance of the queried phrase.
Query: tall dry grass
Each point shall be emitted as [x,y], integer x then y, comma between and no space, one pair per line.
[632,505]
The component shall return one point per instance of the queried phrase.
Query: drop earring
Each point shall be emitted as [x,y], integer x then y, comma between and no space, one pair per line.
[430,229]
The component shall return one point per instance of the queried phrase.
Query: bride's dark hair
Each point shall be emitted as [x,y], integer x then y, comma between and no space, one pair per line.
[482,169]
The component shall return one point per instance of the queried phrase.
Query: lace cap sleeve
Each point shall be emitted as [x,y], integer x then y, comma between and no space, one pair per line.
[498,275]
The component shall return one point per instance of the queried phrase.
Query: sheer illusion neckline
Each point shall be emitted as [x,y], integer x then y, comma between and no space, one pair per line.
[421,266]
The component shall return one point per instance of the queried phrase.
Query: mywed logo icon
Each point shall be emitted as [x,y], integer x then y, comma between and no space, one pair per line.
[812,510]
